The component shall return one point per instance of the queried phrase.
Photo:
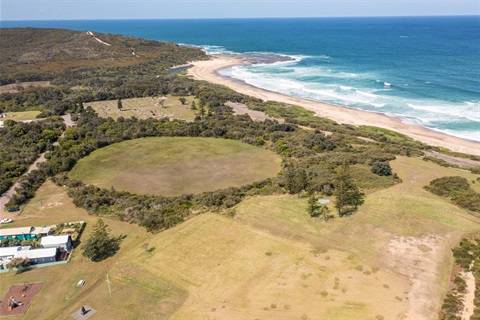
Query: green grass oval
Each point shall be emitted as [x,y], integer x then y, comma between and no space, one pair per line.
[173,166]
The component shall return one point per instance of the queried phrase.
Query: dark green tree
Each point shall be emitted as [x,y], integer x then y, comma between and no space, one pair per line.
[381,168]
[101,245]
[80,103]
[312,205]
[295,178]
[182,100]
[316,209]
[203,104]
[193,106]
[348,196]
[119,104]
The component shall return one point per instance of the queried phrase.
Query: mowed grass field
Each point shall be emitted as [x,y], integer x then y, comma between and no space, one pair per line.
[143,108]
[176,165]
[21,115]
[392,259]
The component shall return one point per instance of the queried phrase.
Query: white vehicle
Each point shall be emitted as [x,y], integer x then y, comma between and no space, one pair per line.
[6,220]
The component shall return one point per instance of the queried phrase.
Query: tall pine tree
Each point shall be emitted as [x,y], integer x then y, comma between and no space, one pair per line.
[101,245]
[348,196]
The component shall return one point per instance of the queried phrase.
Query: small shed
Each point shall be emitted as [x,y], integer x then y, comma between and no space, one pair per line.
[323,201]
[63,243]
[38,256]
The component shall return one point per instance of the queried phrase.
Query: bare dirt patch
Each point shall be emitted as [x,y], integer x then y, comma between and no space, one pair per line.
[240,109]
[23,293]
[454,160]
[417,258]
[16,87]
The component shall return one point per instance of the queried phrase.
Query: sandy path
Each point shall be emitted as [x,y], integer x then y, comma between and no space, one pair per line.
[5,197]
[469,304]
[207,70]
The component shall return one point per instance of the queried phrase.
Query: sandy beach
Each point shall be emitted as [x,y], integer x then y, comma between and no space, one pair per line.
[207,70]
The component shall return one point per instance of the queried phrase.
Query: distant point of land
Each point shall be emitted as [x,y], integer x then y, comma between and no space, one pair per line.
[173,166]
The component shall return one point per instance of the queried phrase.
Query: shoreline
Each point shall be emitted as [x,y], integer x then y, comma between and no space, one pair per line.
[208,71]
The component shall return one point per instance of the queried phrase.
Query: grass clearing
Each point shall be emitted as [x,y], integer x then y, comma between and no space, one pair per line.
[174,166]
[272,261]
[143,108]
[403,229]
[21,115]
[233,271]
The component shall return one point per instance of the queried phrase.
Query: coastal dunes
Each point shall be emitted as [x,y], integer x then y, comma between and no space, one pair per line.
[207,70]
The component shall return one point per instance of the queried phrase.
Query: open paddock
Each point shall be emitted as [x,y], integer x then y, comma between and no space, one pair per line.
[143,108]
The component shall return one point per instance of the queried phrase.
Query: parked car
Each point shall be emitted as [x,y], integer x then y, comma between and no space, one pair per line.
[13,209]
[6,220]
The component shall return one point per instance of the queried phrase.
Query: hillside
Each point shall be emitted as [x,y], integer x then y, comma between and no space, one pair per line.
[292,217]
[29,54]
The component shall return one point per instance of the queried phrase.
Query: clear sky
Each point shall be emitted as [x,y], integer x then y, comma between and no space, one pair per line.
[175,9]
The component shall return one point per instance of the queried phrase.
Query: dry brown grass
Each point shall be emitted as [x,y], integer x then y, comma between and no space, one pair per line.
[176,165]
[143,108]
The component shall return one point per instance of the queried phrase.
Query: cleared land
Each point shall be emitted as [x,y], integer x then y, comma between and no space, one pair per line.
[16,87]
[402,230]
[143,108]
[392,259]
[21,116]
[176,165]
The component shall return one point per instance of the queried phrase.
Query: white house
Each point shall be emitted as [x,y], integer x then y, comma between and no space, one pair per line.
[38,255]
[7,253]
[63,243]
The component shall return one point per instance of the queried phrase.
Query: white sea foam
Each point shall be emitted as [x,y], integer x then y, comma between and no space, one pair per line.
[332,86]
[470,112]
[214,50]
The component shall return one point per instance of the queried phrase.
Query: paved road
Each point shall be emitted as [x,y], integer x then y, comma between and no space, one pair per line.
[4,198]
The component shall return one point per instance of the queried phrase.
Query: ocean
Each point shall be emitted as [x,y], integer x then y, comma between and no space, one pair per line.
[422,70]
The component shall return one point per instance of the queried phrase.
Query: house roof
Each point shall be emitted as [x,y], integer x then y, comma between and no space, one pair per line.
[54,240]
[42,230]
[37,253]
[16,231]
[9,251]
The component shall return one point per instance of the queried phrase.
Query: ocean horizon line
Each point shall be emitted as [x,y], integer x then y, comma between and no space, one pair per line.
[248,18]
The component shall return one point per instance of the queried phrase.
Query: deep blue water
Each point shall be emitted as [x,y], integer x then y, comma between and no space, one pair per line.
[424,70]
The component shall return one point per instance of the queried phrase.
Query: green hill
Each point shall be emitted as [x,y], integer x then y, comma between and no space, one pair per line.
[29,54]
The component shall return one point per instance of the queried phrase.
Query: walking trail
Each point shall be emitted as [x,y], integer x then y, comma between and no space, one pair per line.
[5,197]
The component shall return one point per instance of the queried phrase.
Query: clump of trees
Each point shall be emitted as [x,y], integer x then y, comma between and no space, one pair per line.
[316,209]
[101,244]
[458,190]
[381,168]
[22,143]
[18,263]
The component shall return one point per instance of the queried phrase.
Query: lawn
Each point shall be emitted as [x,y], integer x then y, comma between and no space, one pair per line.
[143,108]
[21,116]
[176,165]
